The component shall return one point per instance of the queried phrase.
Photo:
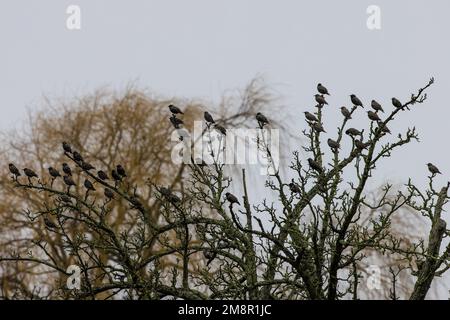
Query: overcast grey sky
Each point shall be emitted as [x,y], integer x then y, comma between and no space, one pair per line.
[199,48]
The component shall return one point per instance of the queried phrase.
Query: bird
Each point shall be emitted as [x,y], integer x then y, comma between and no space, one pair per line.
[314,165]
[165,191]
[87,166]
[173,198]
[135,202]
[396,103]
[65,198]
[231,198]
[88,185]
[102,175]
[433,169]
[262,120]
[13,169]
[175,121]
[322,89]
[208,117]
[320,99]
[356,101]
[373,116]
[67,148]
[69,182]
[53,172]
[346,113]
[353,132]
[115,175]
[360,145]
[66,169]
[333,144]
[49,224]
[310,117]
[109,193]
[175,109]
[294,187]
[30,173]
[376,106]
[221,129]
[77,156]
[383,127]
[209,255]
[121,171]
[318,127]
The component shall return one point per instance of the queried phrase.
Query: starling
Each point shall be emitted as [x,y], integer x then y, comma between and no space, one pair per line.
[173,198]
[396,103]
[165,191]
[29,173]
[262,120]
[175,109]
[67,148]
[209,255]
[346,113]
[356,101]
[88,185]
[64,198]
[49,224]
[121,170]
[383,127]
[77,156]
[294,187]
[373,116]
[102,175]
[115,175]
[310,117]
[109,193]
[322,89]
[376,106]
[176,122]
[333,144]
[69,181]
[135,202]
[87,166]
[318,127]
[433,169]
[221,129]
[320,99]
[66,169]
[232,198]
[13,169]
[53,172]
[360,145]
[353,132]
[314,165]
[208,117]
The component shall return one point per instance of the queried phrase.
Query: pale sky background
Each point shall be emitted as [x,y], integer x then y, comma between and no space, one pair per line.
[199,48]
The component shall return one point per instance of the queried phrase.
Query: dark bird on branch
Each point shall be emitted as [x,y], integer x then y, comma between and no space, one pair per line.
[53,172]
[176,122]
[88,185]
[346,113]
[360,145]
[376,106]
[109,193]
[121,170]
[315,166]
[208,117]
[66,169]
[165,191]
[175,109]
[356,101]
[209,255]
[69,182]
[77,156]
[65,198]
[102,175]
[320,99]
[396,103]
[30,173]
[353,132]
[318,127]
[262,120]
[383,127]
[135,202]
[115,175]
[294,187]
[49,224]
[13,169]
[373,116]
[322,89]
[333,144]
[221,129]
[231,198]
[67,148]
[310,117]
[87,166]
[433,169]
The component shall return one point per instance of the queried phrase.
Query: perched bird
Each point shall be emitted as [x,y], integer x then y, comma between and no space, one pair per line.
[115,175]
[396,103]
[53,172]
[383,127]
[294,187]
[65,198]
[175,109]
[121,171]
[69,182]
[353,132]
[376,106]
[67,148]
[135,202]
[433,169]
[176,122]
[322,89]
[173,198]
[231,198]
[221,129]
[66,169]
[318,127]
[30,173]
[165,191]
[209,255]
[87,166]
[333,144]
[262,120]
[360,145]
[77,156]
[310,117]
[320,99]
[102,175]
[88,185]
[208,117]
[356,101]
[346,113]
[373,116]
[49,224]
[315,166]
[109,193]
[13,169]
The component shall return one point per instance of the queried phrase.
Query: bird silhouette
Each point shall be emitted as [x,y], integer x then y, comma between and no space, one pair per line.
[310,117]
[102,175]
[77,156]
[376,106]
[69,182]
[175,109]
[49,224]
[13,169]
[66,169]
[315,165]
[221,129]
[115,175]
[373,116]
[109,193]
[232,199]
[121,171]
[176,122]
[294,187]
[320,99]
[346,113]
[360,145]
[262,120]
[67,148]
[318,127]
[433,169]
[353,132]
[87,166]
[208,117]
[334,145]
[397,103]
[322,89]
[355,100]
[30,174]
[88,185]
